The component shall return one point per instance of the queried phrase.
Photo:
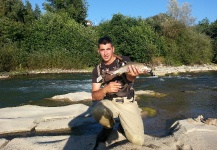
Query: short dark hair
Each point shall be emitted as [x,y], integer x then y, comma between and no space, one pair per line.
[104,40]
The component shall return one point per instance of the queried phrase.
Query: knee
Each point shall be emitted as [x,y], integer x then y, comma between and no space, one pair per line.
[103,116]
[98,111]
[137,139]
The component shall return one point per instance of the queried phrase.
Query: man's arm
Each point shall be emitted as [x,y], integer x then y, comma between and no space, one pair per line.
[97,93]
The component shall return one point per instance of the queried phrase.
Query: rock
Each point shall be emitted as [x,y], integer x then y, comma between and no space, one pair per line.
[3,142]
[28,118]
[149,92]
[77,96]
[171,70]
[195,133]
[211,121]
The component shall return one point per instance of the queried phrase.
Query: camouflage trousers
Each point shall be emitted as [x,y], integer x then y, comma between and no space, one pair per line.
[128,113]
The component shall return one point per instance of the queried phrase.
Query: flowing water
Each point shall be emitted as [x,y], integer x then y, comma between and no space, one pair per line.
[188,95]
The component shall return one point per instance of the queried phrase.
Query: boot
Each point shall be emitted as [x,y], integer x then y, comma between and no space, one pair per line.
[120,129]
[102,136]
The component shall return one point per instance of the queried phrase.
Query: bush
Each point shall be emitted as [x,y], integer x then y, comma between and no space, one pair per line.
[132,37]
[58,38]
[182,44]
[9,57]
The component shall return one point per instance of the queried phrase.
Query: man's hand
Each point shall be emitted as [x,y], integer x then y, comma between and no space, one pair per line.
[133,73]
[112,87]
[99,93]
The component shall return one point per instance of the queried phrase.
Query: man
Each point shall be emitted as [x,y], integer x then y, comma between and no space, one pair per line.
[115,96]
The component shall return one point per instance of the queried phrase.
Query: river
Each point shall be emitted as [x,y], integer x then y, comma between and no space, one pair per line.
[188,95]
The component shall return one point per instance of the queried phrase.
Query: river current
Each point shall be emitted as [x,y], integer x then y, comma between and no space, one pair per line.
[188,95]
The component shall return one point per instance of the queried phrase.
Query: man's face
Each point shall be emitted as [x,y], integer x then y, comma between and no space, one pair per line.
[106,52]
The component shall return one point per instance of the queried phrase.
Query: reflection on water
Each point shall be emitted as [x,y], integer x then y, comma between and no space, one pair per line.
[188,95]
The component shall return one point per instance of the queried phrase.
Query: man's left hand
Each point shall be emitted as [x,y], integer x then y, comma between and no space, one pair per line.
[134,71]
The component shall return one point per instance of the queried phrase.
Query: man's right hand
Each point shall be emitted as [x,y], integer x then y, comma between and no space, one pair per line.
[112,87]
[99,93]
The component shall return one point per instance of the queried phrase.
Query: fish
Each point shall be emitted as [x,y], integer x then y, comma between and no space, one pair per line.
[140,66]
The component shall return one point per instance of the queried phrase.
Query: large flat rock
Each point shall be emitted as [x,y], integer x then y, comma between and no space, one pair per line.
[195,133]
[85,142]
[77,96]
[28,118]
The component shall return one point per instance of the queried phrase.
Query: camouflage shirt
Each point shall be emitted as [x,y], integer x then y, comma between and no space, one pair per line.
[100,74]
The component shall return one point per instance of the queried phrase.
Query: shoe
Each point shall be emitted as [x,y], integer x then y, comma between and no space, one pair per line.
[102,136]
[101,146]
[120,129]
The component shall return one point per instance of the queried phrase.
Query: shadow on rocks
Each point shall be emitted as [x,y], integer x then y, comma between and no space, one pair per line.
[84,131]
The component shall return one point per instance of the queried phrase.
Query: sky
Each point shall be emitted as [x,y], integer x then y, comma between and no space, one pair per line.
[102,10]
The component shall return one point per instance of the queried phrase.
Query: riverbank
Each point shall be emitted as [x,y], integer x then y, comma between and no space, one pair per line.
[63,128]
[171,70]
[42,71]
[160,70]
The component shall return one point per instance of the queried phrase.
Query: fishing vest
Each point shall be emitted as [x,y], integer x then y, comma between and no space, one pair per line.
[105,78]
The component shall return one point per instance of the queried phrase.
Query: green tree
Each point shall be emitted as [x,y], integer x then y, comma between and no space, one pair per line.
[76,9]
[182,44]
[13,9]
[57,41]
[29,14]
[213,34]
[194,48]
[14,15]
[209,29]
[37,12]
[16,19]
[133,37]
[9,57]
[203,26]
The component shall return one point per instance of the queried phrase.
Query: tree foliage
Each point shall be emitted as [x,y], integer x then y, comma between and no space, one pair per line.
[61,42]
[15,10]
[183,45]
[210,29]
[133,37]
[58,38]
[51,40]
[76,9]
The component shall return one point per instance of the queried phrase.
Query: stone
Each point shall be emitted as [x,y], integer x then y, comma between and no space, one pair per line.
[77,96]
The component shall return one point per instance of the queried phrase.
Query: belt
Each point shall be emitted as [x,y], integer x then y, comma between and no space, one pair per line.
[123,99]
[112,96]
